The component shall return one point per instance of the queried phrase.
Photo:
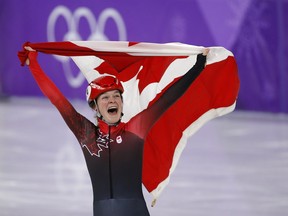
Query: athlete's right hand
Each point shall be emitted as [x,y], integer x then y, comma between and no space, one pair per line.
[31,55]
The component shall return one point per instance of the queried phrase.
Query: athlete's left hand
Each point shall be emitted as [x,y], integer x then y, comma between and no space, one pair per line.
[206,51]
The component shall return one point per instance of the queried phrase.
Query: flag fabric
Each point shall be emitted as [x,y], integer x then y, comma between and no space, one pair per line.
[146,70]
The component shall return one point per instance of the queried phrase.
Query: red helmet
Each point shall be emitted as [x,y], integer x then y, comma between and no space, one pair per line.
[102,84]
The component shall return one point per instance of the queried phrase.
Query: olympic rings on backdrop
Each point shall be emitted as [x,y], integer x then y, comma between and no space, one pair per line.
[97,30]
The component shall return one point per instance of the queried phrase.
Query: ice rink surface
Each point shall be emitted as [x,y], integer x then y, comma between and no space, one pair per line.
[236,165]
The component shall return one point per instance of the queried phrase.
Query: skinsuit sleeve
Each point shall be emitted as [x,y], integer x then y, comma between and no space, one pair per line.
[149,116]
[73,119]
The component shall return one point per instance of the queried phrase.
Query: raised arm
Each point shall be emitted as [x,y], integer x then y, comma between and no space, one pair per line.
[149,116]
[72,118]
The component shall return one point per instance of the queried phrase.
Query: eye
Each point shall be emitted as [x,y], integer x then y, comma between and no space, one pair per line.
[104,97]
[117,96]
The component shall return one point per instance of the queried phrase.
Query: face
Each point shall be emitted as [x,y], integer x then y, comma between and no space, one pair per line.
[110,106]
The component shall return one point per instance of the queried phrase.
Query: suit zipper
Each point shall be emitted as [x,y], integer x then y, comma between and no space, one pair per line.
[110,167]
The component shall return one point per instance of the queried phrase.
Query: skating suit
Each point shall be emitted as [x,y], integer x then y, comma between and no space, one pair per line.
[113,154]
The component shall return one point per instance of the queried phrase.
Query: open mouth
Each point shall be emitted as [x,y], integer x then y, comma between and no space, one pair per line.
[112,110]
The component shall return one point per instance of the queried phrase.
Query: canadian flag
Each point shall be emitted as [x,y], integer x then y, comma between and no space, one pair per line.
[146,70]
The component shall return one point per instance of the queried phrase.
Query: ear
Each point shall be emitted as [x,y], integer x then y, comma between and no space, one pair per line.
[96,107]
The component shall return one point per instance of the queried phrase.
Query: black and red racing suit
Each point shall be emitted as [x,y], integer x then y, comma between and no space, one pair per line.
[113,154]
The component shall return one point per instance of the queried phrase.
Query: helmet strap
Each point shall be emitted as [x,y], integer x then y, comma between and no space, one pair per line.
[98,114]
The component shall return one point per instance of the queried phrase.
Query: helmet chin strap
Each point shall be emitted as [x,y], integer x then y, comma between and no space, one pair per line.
[98,114]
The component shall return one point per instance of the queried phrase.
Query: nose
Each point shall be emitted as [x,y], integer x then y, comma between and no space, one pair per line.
[111,99]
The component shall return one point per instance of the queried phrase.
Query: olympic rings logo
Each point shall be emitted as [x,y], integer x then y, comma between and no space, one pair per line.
[97,30]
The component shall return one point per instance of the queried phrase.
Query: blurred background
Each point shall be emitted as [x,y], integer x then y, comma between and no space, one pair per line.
[36,165]
[254,30]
